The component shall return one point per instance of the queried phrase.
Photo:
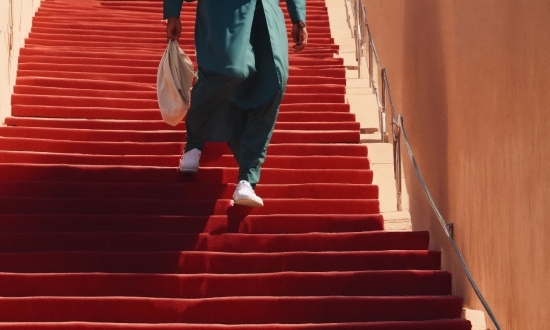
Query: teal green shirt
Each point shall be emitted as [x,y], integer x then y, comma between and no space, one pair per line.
[230,41]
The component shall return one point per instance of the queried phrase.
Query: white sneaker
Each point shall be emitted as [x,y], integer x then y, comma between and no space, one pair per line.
[189,162]
[245,195]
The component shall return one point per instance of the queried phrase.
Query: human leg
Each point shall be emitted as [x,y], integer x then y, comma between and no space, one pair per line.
[209,95]
[210,91]
[250,151]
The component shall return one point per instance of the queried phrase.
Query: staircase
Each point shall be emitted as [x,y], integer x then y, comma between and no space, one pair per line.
[98,229]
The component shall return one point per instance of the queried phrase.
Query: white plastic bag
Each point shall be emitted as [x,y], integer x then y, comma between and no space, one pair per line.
[174,79]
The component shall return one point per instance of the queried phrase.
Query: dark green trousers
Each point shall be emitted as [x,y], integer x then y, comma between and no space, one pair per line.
[213,117]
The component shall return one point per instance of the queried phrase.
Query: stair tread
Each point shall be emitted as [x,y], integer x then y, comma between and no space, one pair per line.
[359,283]
[226,309]
[447,324]
[229,242]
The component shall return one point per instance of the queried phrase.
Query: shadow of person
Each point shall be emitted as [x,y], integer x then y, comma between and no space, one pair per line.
[236,214]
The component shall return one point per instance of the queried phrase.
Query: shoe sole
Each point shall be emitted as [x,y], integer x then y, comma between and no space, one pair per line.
[185,170]
[248,202]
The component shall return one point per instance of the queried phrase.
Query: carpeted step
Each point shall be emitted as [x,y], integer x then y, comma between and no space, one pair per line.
[86,89]
[298,76]
[148,98]
[289,162]
[180,191]
[323,76]
[133,44]
[140,60]
[136,104]
[361,283]
[151,125]
[216,262]
[171,148]
[60,134]
[148,22]
[113,89]
[144,55]
[231,242]
[448,324]
[292,113]
[228,310]
[83,173]
[105,39]
[214,224]
[134,206]
[319,32]
[305,112]
[91,68]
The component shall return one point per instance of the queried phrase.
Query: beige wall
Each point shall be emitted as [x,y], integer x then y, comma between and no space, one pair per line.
[472,79]
[15,24]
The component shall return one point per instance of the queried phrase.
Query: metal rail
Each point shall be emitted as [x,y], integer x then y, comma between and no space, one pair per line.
[362,31]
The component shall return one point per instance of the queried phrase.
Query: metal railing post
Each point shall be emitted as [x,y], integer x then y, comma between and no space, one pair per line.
[358,38]
[397,163]
[364,33]
[382,116]
[371,67]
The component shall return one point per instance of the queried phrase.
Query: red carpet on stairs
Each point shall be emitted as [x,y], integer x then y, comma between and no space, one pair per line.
[99,230]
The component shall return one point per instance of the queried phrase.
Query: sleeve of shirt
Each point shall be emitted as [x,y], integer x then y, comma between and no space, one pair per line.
[171,8]
[296,10]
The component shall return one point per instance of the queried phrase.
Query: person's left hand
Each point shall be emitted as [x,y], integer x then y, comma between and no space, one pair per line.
[299,35]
